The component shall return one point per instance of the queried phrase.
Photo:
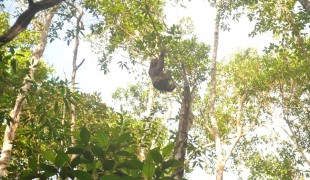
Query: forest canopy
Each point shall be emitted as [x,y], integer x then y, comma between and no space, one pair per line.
[190,109]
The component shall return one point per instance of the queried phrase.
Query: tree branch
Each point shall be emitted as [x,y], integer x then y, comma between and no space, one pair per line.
[30,2]
[305,4]
[78,66]
[25,18]
[239,126]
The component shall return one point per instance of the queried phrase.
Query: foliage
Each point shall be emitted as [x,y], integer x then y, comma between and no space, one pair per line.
[103,155]
[14,66]
[191,54]
[127,25]
[275,113]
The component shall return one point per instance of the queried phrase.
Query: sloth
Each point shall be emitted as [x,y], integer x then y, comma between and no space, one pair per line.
[161,80]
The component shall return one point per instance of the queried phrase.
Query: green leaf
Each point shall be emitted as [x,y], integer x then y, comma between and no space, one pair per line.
[171,163]
[13,65]
[61,159]
[108,164]
[56,107]
[45,175]
[120,173]
[20,55]
[84,135]
[76,134]
[156,156]
[87,155]
[65,172]
[131,164]
[48,168]
[167,150]
[158,172]
[129,178]
[97,151]
[33,164]
[49,155]
[76,161]
[12,50]
[102,138]
[148,169]
[81,175]
[166,178]
[28,175]
[75,150]
[126,137]
[6,58]
[110,177]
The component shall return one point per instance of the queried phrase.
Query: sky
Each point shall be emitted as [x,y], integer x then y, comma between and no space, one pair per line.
[90,79]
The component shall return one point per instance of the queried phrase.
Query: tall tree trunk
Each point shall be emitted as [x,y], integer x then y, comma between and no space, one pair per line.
[75,67]
[10,130]
[185,122]
[218,145]
[148,116]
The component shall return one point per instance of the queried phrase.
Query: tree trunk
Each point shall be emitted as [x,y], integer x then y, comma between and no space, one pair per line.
[148,116]
[215,128]
[182,134]
[75,67]
[11,128]
[220,170]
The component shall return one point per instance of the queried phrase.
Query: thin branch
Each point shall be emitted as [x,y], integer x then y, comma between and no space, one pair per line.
[153,23]
[206,124]
[239,126]
[295,144]
[78,66]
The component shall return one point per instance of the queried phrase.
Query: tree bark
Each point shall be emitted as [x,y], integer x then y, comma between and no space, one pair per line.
[148,116]
[10,131]
[220,166]
[215,128]
[75,67]
[25,18]
[305,4]
[185,122]
[182,134]
[240,132]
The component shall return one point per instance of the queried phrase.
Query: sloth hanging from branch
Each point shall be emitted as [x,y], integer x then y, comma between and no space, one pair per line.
[161,80]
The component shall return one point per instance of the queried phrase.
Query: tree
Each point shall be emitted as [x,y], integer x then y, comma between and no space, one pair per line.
[224,110]
[237,107]
[75,67]
[219,163]
[11,128]
[287,20]
[151,111]
[189,58]
[20,25]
